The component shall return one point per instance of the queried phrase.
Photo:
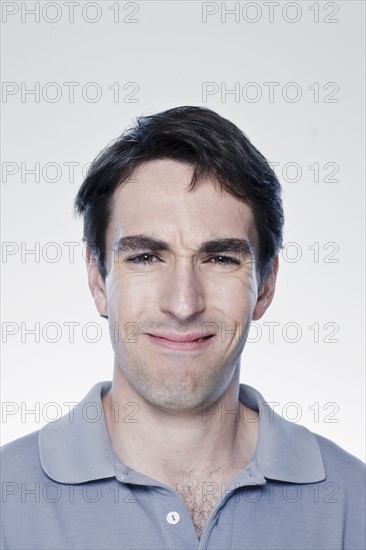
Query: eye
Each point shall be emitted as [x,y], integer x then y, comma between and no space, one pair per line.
[144,258]
[224,260]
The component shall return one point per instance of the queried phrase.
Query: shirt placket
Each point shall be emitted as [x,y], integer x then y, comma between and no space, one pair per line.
[218,536]
[176,525]
[173,521]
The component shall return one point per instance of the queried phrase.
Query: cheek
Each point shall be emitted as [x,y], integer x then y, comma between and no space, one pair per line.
[129,295]
[121,295]
[234,291]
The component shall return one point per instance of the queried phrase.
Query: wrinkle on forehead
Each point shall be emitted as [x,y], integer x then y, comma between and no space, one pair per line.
[155,201]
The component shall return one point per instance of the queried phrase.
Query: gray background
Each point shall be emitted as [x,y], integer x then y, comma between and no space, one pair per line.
[161,54]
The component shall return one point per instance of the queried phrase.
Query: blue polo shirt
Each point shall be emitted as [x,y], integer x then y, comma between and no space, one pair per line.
[63,487]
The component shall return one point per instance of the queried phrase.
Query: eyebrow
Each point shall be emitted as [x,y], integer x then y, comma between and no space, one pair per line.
[136,243]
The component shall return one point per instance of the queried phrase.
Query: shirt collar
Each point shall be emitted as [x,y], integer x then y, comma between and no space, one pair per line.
[76,448]
[285,451]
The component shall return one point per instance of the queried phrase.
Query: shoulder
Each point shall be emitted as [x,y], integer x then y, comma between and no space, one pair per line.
[338,459]
[345,471]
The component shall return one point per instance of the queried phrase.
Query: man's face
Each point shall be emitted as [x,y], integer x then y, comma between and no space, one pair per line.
[180,291]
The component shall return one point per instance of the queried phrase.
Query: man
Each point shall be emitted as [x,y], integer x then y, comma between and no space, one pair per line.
[183,221]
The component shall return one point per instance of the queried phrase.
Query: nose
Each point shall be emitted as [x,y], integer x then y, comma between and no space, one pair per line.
[183,292]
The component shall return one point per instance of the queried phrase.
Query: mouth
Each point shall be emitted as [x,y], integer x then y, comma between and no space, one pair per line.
[203,338]
[183,343]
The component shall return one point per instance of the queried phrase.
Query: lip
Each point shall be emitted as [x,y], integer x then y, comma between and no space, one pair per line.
[186,342]
[180,337]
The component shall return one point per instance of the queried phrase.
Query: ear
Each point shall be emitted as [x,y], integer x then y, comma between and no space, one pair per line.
[266,294]
[96,283]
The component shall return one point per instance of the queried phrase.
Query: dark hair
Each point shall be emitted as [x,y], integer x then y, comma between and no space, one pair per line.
[214,147]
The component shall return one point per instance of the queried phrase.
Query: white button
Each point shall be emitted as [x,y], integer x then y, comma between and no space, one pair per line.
[173,518]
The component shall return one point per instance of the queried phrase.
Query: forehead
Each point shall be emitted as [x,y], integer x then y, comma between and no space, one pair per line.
[155,201]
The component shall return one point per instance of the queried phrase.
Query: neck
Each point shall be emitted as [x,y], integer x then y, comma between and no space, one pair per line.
[168,446]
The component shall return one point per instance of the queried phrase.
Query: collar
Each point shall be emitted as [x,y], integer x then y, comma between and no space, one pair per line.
[285,451]
[76,448]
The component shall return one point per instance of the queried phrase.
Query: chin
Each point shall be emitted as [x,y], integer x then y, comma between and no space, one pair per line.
[180,389]
[183,397]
